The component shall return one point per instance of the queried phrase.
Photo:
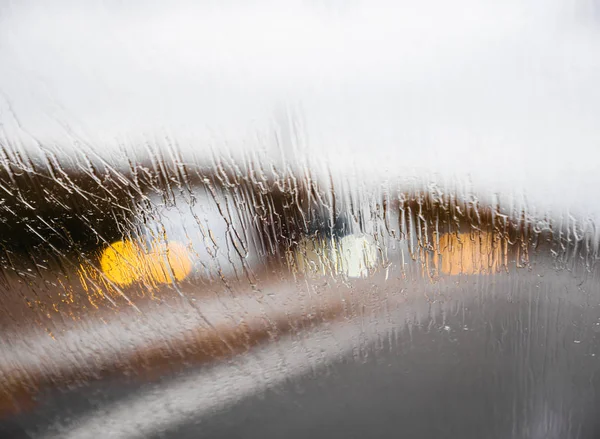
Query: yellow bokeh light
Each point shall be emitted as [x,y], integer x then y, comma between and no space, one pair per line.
[168,262]
[120,261]
[471,253]
[126,262]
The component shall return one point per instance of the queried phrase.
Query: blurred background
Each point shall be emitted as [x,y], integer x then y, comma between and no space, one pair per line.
[303,218]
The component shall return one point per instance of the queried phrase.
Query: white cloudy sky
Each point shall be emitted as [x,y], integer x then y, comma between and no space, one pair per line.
[503,93]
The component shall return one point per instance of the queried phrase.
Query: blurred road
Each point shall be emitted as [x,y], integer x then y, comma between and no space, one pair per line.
[511,355]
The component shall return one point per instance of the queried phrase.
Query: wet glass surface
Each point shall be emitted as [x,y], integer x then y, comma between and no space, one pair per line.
[327,219]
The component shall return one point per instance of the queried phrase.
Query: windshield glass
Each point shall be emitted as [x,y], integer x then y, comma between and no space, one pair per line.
[277,219]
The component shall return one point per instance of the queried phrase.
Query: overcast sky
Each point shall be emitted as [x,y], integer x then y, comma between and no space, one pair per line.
[504,94]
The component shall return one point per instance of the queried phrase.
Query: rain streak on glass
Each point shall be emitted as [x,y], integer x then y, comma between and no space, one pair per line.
[328,219]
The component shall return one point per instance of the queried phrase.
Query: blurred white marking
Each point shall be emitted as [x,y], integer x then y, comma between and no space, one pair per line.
[199,395]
